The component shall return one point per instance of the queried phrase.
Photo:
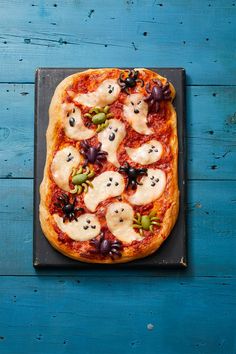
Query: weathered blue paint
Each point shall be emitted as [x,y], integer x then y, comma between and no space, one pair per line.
[107,312]
[196,35]
[211,129]
[46,315]
[211,227]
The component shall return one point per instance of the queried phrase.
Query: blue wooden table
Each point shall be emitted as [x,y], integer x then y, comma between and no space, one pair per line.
[167,312]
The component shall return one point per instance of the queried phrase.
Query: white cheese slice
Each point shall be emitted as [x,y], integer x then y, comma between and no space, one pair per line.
[107,184]
[135,112]
[62,164]
[111,137]
[86,228]
[105,94]
[147,153]
[119,218]
[74,126]
[153,185]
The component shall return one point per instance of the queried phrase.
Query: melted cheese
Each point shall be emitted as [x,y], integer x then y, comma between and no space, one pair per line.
[135,112]
[107,184]
[119,218]
[74,126]
[62,164]
[153,185]
[147,153]
[106,94]
[86,228]
[111,137]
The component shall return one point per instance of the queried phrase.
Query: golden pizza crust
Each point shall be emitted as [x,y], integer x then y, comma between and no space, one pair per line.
[46,219]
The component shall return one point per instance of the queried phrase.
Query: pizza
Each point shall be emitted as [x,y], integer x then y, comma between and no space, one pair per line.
[110,187]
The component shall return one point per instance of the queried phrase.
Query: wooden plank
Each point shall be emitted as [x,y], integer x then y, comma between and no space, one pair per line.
[211,129]
[195,35]
[211,230]
[134,315]
[16,130]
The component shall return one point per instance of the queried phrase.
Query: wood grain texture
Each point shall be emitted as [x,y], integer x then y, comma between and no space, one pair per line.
[193,312]
[49,315]
[211,131]
[198,36]
[210,228]
[16,130]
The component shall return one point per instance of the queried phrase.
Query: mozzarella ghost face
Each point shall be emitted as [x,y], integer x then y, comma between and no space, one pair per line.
[135,112]
[111,137]
[119,218]
[86,228]
[107,184]
[153,185]
[62,165]
[106,94]
[147,153]
[74,126]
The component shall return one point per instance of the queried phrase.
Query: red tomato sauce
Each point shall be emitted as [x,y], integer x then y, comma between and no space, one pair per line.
[162,132]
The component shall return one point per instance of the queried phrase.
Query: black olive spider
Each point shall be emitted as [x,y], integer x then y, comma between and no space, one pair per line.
[68,208]
[130,80]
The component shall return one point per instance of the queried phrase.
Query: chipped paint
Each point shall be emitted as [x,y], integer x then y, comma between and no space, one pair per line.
[150,326]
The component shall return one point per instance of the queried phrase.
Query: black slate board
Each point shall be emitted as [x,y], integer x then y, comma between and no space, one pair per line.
[172,253]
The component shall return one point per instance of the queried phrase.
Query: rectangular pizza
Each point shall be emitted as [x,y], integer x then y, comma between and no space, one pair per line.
[110,188]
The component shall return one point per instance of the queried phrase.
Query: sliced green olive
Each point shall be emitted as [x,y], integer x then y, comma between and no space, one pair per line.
[79,179]
[106,109]
[146,222]
[99,118]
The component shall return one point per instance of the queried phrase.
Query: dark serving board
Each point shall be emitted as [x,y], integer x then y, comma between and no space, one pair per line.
[172,253]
